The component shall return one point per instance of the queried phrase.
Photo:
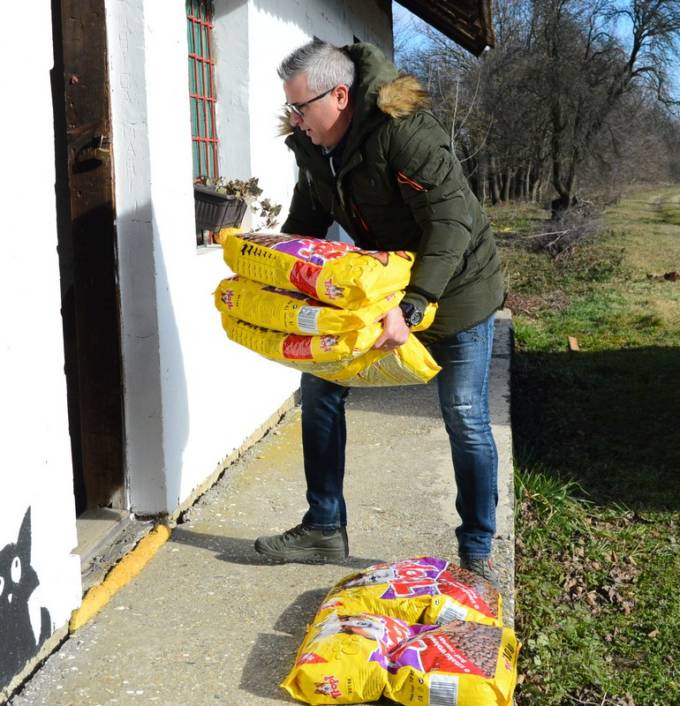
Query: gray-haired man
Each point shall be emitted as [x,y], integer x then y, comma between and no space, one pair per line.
[373,159]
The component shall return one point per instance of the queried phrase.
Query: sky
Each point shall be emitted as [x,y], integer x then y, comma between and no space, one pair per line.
[406,21]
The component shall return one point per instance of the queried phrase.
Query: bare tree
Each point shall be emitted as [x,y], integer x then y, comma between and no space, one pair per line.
[587,69]
[575,91]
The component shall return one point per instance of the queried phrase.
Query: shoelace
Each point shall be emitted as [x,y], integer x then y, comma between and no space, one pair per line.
[296,531]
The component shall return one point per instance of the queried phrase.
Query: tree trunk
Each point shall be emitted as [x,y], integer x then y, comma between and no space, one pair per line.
[508,182]
[482,177]
[527,184]
[498,186]
[493,180]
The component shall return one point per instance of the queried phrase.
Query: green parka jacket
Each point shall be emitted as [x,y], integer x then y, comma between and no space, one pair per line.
[401,187]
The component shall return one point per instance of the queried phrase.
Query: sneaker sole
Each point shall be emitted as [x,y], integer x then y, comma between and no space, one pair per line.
[306,556]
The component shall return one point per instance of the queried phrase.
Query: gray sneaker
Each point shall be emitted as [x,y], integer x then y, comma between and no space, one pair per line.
[483,568]
[305,544]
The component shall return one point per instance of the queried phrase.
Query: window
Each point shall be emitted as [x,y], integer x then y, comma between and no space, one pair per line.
[202,87]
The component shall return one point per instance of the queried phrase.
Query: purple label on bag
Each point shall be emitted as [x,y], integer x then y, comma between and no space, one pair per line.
[405,579]
[313,250]
[417,577]
[383,654]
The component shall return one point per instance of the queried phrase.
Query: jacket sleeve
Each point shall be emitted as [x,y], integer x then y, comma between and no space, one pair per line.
[432,184]
[306,216]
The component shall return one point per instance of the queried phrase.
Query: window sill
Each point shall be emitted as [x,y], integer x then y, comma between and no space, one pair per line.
[203,249]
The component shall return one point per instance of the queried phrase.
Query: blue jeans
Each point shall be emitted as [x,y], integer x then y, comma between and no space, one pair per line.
[463,398]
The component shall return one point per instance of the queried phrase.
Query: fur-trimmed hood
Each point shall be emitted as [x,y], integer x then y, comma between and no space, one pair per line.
[402,97]
[378,88]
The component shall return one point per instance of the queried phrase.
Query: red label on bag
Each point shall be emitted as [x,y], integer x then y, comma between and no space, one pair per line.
[303,277]
[434,653]
[296,347]
[464,594]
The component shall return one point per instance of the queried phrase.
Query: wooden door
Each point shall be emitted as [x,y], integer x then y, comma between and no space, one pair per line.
[87,251]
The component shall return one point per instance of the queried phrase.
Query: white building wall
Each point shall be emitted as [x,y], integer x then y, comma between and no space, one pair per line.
[191,396]
[36,454]
[145,466]
[232,84]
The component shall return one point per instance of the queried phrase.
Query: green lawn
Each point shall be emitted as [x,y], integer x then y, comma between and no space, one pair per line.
[597,449]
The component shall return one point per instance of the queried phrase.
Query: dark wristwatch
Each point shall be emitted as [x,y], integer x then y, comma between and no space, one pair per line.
[412,315]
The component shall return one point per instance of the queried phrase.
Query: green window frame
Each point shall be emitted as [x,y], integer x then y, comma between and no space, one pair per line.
[202,94]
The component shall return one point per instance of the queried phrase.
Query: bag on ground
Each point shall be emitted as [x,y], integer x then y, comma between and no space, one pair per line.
[420,590]
[460,663]
[343,659]
[421,632]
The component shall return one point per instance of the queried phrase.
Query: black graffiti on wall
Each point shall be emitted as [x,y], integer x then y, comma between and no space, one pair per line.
[18,580]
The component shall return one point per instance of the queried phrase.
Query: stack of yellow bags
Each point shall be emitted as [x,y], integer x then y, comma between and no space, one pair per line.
[315,305]
[421,631]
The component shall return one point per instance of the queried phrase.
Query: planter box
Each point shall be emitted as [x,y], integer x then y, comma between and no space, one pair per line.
[215,210]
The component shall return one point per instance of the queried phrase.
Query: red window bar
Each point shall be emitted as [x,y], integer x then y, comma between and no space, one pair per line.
[202,87]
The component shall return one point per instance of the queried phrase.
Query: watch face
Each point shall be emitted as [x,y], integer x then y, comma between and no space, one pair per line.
[412,316]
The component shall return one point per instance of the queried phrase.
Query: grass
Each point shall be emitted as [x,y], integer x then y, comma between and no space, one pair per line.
[597,448]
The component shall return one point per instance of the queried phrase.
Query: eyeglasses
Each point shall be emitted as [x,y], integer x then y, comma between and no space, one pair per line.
[298,108]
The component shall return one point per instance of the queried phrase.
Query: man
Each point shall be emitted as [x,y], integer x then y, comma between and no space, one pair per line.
[373,159]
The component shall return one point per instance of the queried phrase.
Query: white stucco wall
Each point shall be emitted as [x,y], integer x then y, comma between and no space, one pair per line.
[36,454]
[191,397]
[232,57]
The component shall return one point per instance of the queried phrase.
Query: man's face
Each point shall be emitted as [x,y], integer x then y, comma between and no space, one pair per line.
[324,121]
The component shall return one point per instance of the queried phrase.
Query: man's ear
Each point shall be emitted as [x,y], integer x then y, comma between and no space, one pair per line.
[342,95]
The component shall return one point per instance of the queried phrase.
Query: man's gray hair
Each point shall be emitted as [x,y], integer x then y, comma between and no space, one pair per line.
[325,66]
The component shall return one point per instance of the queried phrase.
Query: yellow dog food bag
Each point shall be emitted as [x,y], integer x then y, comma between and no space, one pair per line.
[344,659]
[409,364]
[293,312]
[460,663]
[295,348]
[419,590]
[332,272]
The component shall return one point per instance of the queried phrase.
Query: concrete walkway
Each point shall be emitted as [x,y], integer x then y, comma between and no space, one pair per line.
[208,623]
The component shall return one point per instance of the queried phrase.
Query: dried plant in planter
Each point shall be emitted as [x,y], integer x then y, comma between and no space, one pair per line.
[269,212]
[249,191]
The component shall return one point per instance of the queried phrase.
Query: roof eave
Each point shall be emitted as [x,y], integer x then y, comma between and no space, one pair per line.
[467,22]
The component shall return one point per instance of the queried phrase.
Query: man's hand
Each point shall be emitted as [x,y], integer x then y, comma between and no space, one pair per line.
[395,331]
